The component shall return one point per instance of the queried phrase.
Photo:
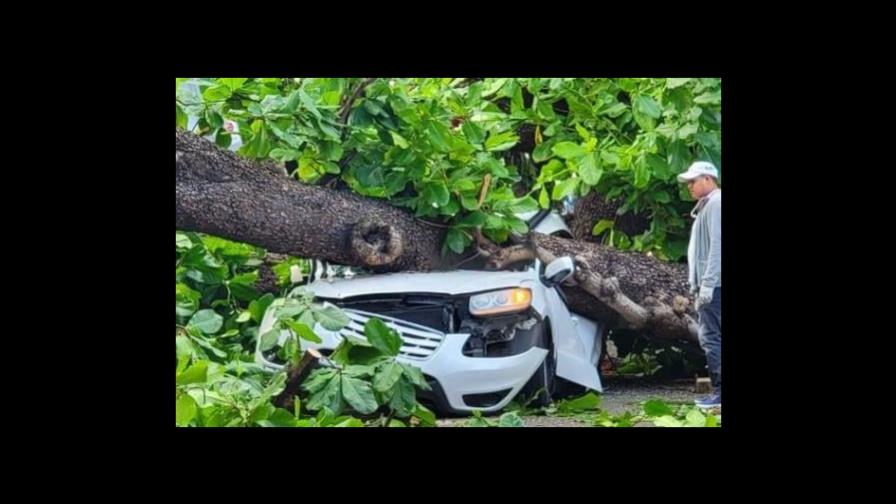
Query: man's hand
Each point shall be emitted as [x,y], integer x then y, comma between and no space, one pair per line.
[703,297]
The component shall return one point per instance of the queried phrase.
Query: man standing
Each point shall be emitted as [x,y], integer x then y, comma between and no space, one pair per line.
[705,268]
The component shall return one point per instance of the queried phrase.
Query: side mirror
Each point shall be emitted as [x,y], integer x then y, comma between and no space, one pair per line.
[558,271]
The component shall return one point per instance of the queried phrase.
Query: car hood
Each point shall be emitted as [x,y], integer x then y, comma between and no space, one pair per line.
[442,282]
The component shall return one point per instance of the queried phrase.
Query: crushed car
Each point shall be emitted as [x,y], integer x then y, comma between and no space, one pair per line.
[480,337]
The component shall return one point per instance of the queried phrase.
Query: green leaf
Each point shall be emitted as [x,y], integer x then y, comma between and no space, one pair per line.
[328,131]
[610,158]
[564,188]
[518,226]
[269,339]
[330,167]
[427,417]
[373,107]
[437,193]
[511,419]
[590,169]
[282,418]
[469,202]
[674,82]
[197,373]
[282,155]
[309,105]
[687,130]
[473,219]
[318,379]
[358,395]
[182,241]
[542,152]
[524,204]
[477,421]
[543,199]
[438,135]
[223,139]
[415,376]
[667,421]
[185,409]
[386,376]
[646,122]
[180,117]
[678,156]
[332,151]
[695,419]
[259,306]
[399,140]
[329,395]
[303,331]
[585,134]
[184,350]
[349,422]
[359,371]
[666,130]
[658,167]
[642,174]
[709,98]
[403,399]
[492,86]
[501,141]
[216,93]
[586,402]
[307,318]
[545,110]
[615,110]
[233,84]
[331,318]
[207,321]
[214,119]
[655,407]
[186,300]
[569,150]
[601,226]
[475,134]
[261,414]
[241,286]
[551,169]
[712,421]
[455,240]
[289,308]
[259,146]
[382,338]
[648,106]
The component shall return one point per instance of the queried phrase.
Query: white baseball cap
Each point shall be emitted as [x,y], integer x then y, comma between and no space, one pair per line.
[698,169]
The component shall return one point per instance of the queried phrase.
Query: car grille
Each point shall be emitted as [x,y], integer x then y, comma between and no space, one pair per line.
[417,341]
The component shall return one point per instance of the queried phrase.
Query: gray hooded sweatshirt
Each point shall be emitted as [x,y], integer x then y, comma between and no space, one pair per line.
[705,247]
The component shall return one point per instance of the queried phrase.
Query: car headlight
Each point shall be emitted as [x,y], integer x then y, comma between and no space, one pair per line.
[502,301]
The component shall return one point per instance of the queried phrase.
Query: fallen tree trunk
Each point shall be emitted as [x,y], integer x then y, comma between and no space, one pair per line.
[221,194]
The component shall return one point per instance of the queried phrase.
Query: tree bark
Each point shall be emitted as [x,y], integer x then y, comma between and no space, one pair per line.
[221,194]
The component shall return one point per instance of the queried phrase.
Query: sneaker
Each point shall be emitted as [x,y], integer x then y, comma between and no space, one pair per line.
[712,401]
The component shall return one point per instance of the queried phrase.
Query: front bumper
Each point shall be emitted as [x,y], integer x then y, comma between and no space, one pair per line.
[464,381]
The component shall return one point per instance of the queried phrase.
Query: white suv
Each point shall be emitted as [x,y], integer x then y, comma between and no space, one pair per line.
[480,337]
